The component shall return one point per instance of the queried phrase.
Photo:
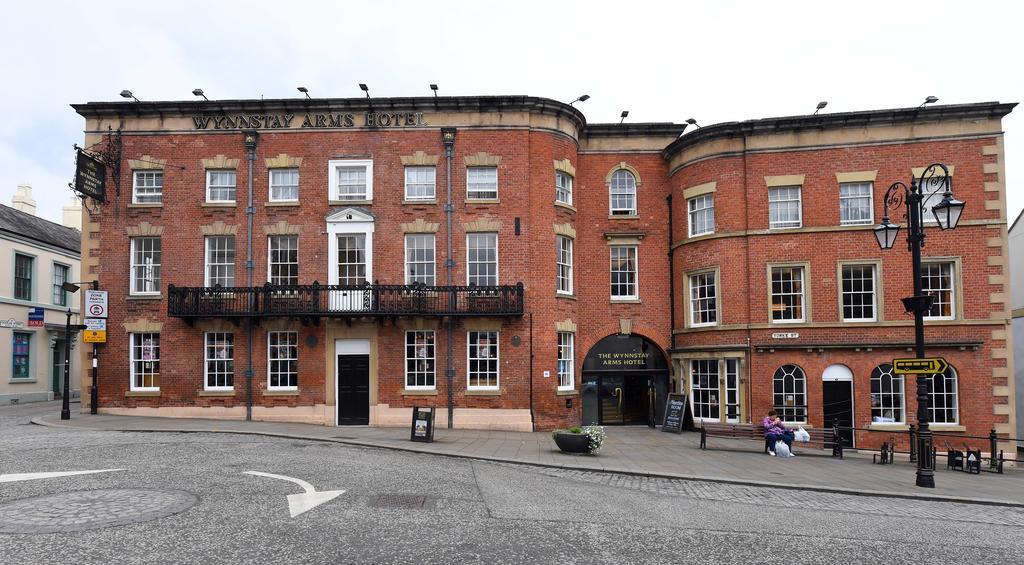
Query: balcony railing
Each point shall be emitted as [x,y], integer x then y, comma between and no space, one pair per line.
[344,301]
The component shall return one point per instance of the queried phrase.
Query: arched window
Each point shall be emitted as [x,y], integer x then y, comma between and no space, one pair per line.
[622,193]
[790,396]
[886,395]
[943,398]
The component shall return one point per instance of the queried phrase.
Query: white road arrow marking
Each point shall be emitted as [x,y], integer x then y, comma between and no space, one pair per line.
[299,503]
[15,477]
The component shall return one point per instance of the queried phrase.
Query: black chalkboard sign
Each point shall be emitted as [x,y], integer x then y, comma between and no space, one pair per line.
[677,414]
[422,425]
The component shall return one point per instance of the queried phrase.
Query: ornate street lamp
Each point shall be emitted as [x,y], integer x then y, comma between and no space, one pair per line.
[947,214]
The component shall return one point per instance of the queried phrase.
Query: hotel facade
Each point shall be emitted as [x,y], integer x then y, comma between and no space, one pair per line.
[339,261]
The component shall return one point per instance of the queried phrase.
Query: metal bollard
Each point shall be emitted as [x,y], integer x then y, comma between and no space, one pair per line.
[913,443]
[992,449]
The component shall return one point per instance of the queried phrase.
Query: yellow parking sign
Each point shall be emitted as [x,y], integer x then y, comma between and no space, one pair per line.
[95,330]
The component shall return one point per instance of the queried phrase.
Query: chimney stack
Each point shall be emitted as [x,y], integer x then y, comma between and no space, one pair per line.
[22,199]
[72,214]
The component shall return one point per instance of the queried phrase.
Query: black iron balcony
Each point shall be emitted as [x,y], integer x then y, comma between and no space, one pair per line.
[344,301]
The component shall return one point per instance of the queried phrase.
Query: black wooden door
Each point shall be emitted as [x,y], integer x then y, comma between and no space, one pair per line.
[353,390]
[837,401]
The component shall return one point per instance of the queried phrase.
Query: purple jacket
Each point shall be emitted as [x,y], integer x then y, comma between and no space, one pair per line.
[770,427]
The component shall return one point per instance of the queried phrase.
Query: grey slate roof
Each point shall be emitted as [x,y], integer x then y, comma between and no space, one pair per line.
[26,225]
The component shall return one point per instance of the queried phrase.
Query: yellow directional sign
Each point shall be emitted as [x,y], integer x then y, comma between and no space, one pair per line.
[95,330]
[927,366]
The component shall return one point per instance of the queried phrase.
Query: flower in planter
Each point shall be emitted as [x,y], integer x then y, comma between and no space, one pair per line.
[596,435]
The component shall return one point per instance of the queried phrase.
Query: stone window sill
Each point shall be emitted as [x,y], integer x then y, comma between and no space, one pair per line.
[948,427]
[281,392]
[888,427]
[569,207]
[144,297]
[141,393]
[431,201]
[482,201]
[146,205]
[219,204]
[626,301]
[217,393]
[20,381]
[350,202]
[565,296]
[566,392]
[623,216]
[483,392]
[282,204]
[417,392]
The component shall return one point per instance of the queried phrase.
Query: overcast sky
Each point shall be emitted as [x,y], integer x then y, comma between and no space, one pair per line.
[713,61]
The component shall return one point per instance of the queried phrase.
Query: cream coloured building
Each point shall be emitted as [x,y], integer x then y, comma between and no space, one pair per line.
[38,256]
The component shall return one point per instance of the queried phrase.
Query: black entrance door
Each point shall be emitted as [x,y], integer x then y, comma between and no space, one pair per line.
[353,390]
[837,405]
[625,399]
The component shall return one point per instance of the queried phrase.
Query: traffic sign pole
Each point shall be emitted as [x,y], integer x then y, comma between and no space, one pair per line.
[94,392]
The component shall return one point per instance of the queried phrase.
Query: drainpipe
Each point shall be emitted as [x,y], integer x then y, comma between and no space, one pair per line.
[671,278]
[448,138]
[746,249]
[250,211]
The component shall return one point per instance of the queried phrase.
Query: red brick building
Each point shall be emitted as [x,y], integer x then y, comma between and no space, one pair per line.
[501,256]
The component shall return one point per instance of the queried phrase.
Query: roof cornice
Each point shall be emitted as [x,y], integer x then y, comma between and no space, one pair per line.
[868,118]
[301,105]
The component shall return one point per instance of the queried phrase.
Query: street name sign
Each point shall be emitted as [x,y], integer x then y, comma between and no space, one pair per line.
[926,366]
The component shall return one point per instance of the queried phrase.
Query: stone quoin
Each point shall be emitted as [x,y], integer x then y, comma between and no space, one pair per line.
[595,268]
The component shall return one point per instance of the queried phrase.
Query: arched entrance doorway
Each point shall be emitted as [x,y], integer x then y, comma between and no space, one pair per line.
[625,381]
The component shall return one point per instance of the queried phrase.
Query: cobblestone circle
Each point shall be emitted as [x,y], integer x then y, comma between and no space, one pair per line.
[807,500]
[90,509]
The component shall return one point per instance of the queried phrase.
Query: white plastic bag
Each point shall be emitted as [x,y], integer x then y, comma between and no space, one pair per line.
[781,449]
[801,435]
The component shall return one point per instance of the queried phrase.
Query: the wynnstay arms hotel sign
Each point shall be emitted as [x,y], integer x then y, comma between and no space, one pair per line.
[318,120]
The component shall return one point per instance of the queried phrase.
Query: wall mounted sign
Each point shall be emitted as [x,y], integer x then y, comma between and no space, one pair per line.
[307,121]
[926,366]
[785,335]
[90,177]
[12,323]
[35,317]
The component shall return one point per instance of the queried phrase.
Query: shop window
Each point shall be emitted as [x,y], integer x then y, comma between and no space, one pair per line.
[419,360]
[886,395]
[789,396]
[566,348]
[22,355]
[145,361]
[943,398]
[482,357]
[282,360]
[220,361]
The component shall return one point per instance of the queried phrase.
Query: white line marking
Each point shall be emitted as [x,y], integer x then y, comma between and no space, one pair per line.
[15,477]
[299,503]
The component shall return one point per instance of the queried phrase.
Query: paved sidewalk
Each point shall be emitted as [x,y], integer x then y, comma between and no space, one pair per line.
[633,450]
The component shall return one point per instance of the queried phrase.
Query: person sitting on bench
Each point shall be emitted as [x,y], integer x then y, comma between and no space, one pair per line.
[775,431]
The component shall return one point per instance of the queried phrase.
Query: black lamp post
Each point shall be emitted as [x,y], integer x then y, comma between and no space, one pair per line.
[947,214]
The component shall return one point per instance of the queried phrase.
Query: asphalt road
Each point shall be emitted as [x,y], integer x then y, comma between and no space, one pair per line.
[403,507]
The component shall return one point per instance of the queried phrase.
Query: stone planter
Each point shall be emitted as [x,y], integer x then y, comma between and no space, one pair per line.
[572,443]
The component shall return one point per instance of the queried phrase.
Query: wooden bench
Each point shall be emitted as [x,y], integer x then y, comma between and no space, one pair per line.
[821,438]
